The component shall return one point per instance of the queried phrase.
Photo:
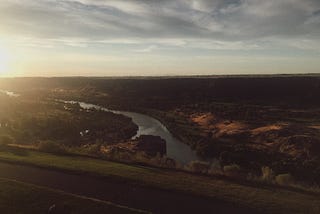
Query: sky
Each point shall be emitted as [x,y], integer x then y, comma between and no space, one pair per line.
[158,37]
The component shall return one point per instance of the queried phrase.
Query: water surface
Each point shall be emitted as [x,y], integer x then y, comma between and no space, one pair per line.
[150,126]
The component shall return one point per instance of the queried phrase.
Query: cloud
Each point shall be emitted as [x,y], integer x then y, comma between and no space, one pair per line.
[147,49]
[206,24]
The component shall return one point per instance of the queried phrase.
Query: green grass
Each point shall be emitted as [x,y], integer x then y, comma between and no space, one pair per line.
[18,197]
[263,198]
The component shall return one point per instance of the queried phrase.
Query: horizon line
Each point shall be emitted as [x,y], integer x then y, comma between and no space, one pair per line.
[169,76]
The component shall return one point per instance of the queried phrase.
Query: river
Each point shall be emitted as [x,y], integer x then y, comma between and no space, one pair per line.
[147,126]
[150,126]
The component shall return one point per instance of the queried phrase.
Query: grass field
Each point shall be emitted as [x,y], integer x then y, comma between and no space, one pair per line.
[262,198]
[18,197]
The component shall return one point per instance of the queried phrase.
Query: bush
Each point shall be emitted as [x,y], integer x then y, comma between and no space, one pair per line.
[139,156]
[198,167]
[170,163]
[233,170]
[267,174]
[51,147]
[160,161]
[94,149]
[215,167]
[284,179]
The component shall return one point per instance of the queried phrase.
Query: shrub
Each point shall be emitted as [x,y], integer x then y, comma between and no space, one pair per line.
[253,177]
[198,167]
[93,149]
[52,147]
[140,156]
[170,163]
[162,161]
[284,179]
[267,174]
[232,170]
[125,157]
[215,167]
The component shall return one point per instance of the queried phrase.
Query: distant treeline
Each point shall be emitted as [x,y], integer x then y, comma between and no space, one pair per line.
[298,91]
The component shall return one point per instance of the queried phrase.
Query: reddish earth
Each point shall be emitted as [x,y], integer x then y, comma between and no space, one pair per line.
[293,139]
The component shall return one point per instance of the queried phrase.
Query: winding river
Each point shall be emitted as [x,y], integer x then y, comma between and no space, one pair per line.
[147,126]
[150,126]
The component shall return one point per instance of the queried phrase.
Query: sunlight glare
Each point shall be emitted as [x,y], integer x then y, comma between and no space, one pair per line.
[4,61]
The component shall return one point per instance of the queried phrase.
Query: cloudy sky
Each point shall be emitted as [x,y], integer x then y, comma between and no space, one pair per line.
[158,37]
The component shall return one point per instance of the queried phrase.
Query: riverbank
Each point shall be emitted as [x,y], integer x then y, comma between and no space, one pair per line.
[149,125]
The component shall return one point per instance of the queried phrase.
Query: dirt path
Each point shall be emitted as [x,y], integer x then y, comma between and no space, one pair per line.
[155,200]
